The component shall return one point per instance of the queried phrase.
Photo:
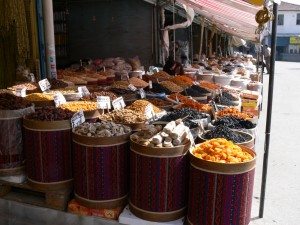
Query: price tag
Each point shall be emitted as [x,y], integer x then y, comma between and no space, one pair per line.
[142,93]
[118,103]
[44,85]
[131,87]
[21,92]
[150,84]
[149,112]
[195,83]
[103,102]
[77,119]
[83,91]
[59,99]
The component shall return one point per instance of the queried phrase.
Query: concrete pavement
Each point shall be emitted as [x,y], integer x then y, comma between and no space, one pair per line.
[282,204]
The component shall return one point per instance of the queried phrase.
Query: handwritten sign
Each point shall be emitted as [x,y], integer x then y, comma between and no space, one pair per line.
[103,102]
[21,92]
[131,87]
[77,119]
[83,91]
[142,93]
[44,85]
[118,103]
[59,99]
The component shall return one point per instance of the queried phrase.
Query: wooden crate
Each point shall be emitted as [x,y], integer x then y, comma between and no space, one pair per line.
[24,193]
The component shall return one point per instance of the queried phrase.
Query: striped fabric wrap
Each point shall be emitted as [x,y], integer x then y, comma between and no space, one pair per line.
[220,199]
[101,173]
[158,184]
[11,143]
[48,155]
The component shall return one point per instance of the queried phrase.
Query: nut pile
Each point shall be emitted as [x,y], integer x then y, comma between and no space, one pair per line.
[175,133]
[221,151]
[182,81]
[140,106]
[39,97]
[122,84]
[137,82]
[28,85]
[11,102]
[101,129]
[79,105]
[93,96]
[125,116]
[159,102]
[50,114]
[171,86]
[209,85]
[161,75]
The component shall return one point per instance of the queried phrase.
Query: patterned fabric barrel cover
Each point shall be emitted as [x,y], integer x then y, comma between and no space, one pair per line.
[158,184]
[220,199]
[101,173]
[48,154]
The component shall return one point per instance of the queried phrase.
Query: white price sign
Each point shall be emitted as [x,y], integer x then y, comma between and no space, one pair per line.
[150,84]
[44,85]
[21,92]
[131,87]
[83,91]
[59,99]
[118,103]
[149,112]
[77,119]
[142,93]
[103,102]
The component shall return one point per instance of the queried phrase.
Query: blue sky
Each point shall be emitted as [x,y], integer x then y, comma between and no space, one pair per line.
[297,2]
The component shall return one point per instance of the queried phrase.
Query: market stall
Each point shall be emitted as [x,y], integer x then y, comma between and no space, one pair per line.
[115,133]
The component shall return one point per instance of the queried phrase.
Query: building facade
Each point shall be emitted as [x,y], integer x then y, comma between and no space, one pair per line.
[288,32]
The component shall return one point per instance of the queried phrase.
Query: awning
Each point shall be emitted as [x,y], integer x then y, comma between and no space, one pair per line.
[235,17]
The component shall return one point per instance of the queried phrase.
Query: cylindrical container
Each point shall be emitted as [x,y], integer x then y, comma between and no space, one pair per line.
[158,182]
[11,141]
[48,149]
[101,170]
[206,77]
[220,193]
[223,79]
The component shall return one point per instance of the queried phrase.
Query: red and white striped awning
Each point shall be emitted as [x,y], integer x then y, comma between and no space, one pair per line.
[236,17]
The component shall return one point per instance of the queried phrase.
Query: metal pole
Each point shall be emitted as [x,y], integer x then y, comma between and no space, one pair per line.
[269,113]
[49,38]
[174,30]
[201,39]
[192,44]
[206,47]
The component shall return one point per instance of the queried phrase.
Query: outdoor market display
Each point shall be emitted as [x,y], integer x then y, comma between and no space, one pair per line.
[135,136]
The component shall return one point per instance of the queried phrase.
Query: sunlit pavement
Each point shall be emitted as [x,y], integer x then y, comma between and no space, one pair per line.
[282,204]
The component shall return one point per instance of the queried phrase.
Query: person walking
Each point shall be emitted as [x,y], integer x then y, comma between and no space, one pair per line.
[267,57]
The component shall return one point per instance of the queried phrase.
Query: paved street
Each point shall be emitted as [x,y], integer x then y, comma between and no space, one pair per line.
[282,205]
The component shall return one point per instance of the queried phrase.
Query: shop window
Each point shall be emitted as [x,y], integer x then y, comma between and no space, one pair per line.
[280,20]
[298,19]
[291,51]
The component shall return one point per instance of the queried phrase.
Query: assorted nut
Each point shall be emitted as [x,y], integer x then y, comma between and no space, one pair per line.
[38,97]
[50,114]
[55,83]
[101,129]
[137,82]
[140,106]
[125,116]
[171,86]
[28,85]
[221,151]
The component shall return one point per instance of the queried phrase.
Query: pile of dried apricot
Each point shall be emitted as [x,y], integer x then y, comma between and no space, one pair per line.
[221,151]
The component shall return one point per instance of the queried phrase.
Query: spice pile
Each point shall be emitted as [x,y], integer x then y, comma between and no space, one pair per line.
[12,102]
[221,151]
[233,112]
[125,116]
[50,114]
[101,129]
[222,131]
[175,133]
